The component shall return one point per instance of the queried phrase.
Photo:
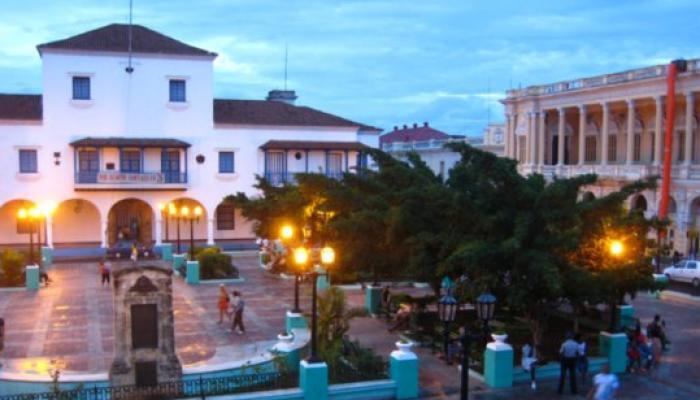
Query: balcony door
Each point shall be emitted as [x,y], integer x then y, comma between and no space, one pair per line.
[335,165]
[276,167]
[88,166]
[170,166]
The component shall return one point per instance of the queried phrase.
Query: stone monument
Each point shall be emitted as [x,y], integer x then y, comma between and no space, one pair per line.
[144,335]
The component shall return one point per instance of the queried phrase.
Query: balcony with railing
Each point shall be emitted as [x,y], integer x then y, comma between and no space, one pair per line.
[281,178]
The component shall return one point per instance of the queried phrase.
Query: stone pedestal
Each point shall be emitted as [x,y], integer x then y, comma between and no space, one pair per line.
[313,380]
[498,365]
[31,277]
[403,369]
[144,335]
[322,282]
[613,346]
[179,261]
[192,272]
[373,299]
[166,252]
[294,321]
[46,256]
[286,349]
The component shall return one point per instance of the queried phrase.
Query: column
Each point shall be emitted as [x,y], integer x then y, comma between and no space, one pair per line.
[604,133]
[530,138]
[159,231]
[560,134]
[210,231]
[506,143]
[581,134]
[658,135]
[630,132]
[689,103]
[541,136]
[513,142]
[103,232]
[49,230]
[533,138]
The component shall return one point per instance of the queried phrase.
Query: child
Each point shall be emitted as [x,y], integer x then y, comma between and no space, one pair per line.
[223,302]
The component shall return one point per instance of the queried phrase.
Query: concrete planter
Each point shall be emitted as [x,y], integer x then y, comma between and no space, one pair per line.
[404,347]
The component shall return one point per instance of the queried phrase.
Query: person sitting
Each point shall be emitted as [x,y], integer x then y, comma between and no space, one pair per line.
[530,362]
[633,356]
[655,330]
[402,318]
[645,353]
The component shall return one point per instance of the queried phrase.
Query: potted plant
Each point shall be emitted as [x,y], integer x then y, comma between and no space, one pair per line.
[404,345]
[499,336]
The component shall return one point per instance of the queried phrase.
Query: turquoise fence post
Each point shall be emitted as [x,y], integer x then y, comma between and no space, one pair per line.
[294,321]
[286,349]
[46,256]
[498,365]
[313,380]
[403,370]
[179,261]
[613,346]
[31,277]
[192,273]
[373,296]
[322,282]
[166,251]
[625,315]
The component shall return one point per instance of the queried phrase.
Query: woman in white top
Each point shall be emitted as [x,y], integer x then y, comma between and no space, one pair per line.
[529,362]
[582,361]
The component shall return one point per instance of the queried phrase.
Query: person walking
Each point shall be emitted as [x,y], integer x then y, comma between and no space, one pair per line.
[104,272]
[582,360]
[568,353]
[223,302]
[605,385]
[238,305]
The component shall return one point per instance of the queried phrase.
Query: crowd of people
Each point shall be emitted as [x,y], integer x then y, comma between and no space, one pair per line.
[644,350]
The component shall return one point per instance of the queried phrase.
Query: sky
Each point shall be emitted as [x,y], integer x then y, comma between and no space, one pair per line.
[379,62]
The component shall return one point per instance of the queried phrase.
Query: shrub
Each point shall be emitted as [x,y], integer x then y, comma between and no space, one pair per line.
[12,271]
[215,265]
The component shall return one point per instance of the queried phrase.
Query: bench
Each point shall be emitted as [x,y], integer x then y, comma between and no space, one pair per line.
[552,370]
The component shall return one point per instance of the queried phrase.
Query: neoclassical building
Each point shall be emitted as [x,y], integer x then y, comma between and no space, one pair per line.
[127,123]
[613,125]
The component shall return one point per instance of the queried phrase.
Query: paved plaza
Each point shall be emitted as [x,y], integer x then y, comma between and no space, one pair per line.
[71,321]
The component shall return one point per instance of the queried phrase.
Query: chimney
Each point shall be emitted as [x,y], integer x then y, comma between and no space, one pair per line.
[405,127]
[285,96]
[396,128]
[425,124]
[415,125]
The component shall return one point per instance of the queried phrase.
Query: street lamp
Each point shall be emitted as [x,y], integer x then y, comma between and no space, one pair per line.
[616,249]
[327,258]
[286,234]
[447,311]
[192,218]
[31,215]
[485,307]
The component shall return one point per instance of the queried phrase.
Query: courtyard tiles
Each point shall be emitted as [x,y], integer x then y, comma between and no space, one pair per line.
[70,321]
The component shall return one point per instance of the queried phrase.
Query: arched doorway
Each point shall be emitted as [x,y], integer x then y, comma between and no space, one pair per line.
[639,203]
[130,220]
[76,221]
[12,230]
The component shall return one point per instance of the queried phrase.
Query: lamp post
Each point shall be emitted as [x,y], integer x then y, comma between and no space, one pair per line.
[447,311]
[616,249]
[286,235]
[485,307]
[191,217]
[301,257]
[31,216]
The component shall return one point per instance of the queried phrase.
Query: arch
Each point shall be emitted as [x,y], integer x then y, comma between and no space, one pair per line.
[587,196]
[130,219]
[11,230]
[672,208]
[170,225]
[77,221]
[639,202]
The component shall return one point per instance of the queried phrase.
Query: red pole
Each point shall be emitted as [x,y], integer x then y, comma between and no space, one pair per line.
[673,69]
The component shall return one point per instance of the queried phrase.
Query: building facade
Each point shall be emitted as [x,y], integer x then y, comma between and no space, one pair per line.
[117,134]
[614,125]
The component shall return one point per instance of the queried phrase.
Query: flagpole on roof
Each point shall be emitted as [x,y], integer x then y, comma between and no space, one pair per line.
[129,68]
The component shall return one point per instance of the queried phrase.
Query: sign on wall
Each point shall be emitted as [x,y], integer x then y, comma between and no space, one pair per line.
[127,177]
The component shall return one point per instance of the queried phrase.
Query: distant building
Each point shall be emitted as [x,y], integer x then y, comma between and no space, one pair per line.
[429,143]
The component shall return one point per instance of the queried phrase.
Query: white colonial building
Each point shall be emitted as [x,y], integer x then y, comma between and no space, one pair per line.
[116,133]
[613,125]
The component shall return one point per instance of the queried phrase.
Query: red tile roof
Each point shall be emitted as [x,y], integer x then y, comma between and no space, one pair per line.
[21,107]
[269,112]
[412,134]
[115,38]
[311,145]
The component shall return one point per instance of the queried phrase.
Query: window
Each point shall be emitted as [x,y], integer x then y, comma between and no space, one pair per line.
[653,145]
[637,152]
[681,145]
[177,90]
[226,165]
[225,217]
[590,149]
[81,88]
[27,162]
[130,161]
[612,148]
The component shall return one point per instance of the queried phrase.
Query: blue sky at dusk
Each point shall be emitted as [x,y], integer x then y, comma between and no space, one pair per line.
[379,62]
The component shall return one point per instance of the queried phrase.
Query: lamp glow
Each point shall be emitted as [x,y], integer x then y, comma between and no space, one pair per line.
[22,213]
[185,211]
[197,211]
[301,256]
[327,255]
[287,232]
[616,248]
